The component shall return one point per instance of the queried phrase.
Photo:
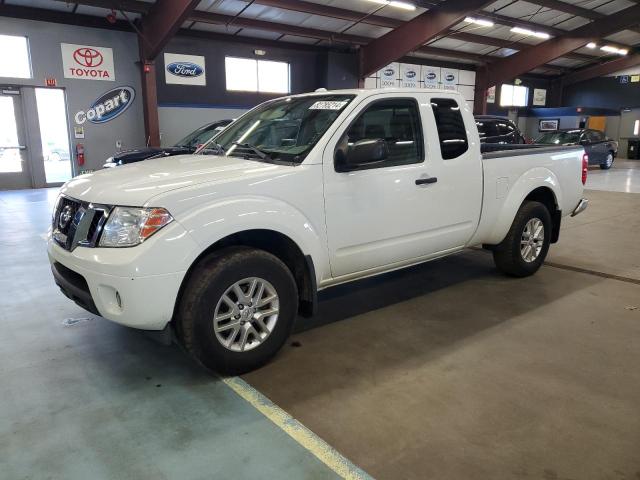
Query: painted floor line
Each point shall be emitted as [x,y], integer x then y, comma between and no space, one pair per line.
[593,272]
[301,434]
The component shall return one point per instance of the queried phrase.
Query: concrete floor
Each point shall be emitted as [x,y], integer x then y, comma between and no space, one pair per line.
[83,398]
[448,370]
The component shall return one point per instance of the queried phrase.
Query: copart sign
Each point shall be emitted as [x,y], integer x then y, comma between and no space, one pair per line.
[87,62]
[108,106]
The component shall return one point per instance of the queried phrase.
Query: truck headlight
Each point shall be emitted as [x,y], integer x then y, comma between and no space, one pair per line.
[130,226]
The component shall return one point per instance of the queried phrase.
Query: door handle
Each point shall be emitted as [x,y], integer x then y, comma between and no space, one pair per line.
[423,181]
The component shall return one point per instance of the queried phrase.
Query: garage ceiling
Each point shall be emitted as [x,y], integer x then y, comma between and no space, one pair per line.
[355,23]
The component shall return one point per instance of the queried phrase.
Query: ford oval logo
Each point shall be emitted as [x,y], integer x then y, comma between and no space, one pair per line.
[450,77]
[185,69]
[111,104]
[389,72]
[411,74]
[431,76]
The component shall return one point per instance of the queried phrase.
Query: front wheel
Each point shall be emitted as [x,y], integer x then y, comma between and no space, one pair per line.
[608,162]
[237,309]
[525,247]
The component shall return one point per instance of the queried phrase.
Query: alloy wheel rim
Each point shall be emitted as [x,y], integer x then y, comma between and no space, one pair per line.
[532,240]
[609,160]
[246,314]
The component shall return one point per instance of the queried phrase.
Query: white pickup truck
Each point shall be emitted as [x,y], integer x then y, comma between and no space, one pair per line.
[226,246]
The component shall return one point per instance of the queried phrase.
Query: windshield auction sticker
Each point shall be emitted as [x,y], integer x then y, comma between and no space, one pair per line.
[328,105]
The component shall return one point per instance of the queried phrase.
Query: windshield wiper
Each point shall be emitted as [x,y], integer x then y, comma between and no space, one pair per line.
[216,147]
[219,147]
[253,148]
[159,155]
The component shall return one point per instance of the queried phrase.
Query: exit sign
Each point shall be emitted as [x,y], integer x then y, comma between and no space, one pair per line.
[50,82]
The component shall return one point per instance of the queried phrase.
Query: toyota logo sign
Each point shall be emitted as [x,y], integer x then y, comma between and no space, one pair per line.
[88,57]
[87,62]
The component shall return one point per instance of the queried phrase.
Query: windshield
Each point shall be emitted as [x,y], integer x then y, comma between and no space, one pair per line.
[282,130]
[200,136]
[559,138]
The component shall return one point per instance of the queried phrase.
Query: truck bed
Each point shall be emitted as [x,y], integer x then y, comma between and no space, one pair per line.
[499,150]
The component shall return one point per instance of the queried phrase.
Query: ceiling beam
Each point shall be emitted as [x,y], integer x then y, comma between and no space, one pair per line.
[501,43]
[445,52]
[606,68]
[302,6]
[574,10]
[160,24]
[57,16]
[569,8]
[519,22]
[134,6]
[475,57]
[244,22]
[414,33]
[525,60]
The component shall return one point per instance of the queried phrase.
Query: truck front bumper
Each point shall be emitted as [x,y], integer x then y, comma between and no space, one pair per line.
[124,285]
[581,207]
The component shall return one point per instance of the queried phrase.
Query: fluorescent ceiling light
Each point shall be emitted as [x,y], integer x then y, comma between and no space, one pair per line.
[591,45]
[396,3]
[530,33]
[479,21]
[612,49]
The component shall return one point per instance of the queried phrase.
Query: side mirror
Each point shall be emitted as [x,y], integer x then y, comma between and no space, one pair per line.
[360,154]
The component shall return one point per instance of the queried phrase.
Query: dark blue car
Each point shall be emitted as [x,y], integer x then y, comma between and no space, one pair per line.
[601,149]
[187,145]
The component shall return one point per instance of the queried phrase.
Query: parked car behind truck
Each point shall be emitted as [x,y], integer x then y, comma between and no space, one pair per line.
[302,193]
[600,148]
[494,129]
[188,144]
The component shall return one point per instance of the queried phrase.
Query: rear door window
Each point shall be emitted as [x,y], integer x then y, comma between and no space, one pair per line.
[452,132]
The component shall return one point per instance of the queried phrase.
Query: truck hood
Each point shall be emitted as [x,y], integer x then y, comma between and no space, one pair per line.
[137,183]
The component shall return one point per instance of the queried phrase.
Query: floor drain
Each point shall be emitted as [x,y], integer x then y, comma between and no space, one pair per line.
[70,322]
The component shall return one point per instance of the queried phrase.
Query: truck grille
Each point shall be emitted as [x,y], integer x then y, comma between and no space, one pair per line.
[78,223]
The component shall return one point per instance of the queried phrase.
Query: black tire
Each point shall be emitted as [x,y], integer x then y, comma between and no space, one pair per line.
[205,287]
[608,162]
[508,256]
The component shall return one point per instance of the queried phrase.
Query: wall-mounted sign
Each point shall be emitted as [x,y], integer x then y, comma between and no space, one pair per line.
[539,96]
[449,79]
[548,125]
[409,75]
[184,69]
[50,82]
[389,76]
[87,63]
[635,78]
[430,76]
[491,94]
[624,78]
[78,132]
[107,106]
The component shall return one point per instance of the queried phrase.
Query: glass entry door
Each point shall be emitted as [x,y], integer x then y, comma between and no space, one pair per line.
[54,134]
[14,168]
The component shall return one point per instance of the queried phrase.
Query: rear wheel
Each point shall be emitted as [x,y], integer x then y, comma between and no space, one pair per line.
[608,162]
[237,309]
[525,247]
